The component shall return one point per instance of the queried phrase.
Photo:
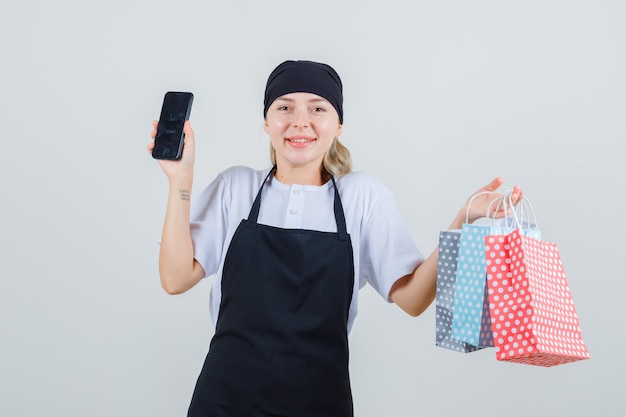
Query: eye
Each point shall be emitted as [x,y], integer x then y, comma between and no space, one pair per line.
[319,109]
[283,107]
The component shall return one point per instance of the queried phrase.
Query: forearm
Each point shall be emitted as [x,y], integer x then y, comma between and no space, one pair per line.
[178,270]
[413,293]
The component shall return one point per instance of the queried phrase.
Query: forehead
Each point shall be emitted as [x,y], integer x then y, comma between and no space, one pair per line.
[301,97]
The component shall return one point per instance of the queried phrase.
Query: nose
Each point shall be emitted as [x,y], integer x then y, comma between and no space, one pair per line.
[300,118]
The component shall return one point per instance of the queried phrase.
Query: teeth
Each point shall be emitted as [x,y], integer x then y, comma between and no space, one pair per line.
[300,140]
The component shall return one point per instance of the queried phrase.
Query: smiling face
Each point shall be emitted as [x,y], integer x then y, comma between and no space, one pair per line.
[301,127]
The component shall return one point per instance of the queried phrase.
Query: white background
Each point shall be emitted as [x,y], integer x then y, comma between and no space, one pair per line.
[440,97]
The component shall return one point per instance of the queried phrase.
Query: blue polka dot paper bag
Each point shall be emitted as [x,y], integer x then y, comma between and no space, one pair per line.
[470,321]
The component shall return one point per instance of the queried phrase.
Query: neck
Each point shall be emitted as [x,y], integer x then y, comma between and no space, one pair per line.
[296,175]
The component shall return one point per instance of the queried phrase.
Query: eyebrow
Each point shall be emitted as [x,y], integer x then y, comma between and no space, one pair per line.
[313,100]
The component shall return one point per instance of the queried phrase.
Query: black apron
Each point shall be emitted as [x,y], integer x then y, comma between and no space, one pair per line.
[281,345]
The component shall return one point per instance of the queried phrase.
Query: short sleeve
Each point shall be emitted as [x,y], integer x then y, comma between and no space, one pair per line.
[387,250]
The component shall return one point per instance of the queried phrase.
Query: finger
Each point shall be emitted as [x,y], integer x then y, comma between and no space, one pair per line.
[493,185]
[189,133]
[187,129]
[516,195]
[153,133]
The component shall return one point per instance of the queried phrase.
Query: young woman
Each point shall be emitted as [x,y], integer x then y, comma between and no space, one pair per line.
[290,247]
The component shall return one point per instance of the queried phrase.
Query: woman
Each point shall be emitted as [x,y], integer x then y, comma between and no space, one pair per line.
[290,247]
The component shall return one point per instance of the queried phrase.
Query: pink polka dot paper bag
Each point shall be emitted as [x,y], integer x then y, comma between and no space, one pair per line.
[533,317]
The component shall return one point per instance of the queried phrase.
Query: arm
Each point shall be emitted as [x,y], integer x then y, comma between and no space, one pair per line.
[178,269]
[416,291]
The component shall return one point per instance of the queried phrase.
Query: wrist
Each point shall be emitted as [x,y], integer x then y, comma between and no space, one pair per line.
[181,181]
[180,188]
[459,219]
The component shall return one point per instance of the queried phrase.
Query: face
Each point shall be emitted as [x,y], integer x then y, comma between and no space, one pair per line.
[301,127]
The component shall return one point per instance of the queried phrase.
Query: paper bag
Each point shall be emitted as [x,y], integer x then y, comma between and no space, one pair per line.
[446,279]
[469,302]
[533,317]
[470,321]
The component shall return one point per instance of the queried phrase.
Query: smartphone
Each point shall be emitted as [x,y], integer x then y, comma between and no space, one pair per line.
[168,143]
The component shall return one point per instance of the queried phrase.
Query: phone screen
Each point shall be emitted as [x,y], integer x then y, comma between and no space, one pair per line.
[168,143]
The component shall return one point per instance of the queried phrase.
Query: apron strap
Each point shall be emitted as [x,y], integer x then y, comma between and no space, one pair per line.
[256,206]
[340,218]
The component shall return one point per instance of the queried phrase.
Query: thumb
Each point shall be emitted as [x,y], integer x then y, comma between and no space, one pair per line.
[493,185]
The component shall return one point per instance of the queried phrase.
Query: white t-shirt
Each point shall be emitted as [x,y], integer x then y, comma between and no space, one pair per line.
[383,248]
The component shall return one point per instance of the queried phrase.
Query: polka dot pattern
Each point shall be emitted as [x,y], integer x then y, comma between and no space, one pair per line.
[468,323]
[446,279]
[533,317]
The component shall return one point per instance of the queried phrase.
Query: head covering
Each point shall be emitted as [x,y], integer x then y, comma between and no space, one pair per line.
[305,77]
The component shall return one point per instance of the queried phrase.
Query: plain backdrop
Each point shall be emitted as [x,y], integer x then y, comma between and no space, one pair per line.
[440,97]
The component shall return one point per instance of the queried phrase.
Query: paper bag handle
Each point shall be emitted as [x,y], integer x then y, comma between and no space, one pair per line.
[523,205]
[469,203]
[502,201]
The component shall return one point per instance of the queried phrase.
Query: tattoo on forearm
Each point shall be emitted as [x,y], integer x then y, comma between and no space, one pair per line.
[184,194]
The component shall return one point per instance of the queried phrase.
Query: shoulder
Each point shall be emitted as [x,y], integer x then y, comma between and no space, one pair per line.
[242,180]
[232,183]
[363,185]
[240,174]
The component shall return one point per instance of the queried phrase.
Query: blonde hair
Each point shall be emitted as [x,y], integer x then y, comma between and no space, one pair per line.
[337,160]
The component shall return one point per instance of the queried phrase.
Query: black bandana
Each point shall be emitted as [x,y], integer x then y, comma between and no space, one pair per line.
[305,77]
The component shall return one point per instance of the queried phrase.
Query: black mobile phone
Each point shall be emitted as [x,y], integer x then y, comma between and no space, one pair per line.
[168,143]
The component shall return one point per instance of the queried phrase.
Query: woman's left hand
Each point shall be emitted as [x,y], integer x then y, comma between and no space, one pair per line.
[485,205]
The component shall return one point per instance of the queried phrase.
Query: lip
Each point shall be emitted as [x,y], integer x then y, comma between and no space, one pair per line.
[300,141]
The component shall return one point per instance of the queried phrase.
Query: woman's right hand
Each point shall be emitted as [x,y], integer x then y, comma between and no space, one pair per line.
[182,168]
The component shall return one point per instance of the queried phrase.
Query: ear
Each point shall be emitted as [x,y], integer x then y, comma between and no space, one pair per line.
[266,127]
[339,130]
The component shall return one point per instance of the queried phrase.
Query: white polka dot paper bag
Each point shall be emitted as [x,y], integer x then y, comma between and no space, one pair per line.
[446,280]
[533,317]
